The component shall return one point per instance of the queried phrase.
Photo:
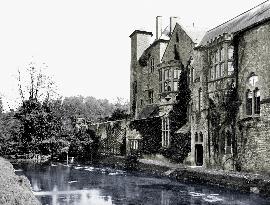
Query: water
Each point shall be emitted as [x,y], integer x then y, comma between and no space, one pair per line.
[86,185]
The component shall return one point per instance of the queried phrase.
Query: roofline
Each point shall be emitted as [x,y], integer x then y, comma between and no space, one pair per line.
[237,33]
[141,32]
[238,15]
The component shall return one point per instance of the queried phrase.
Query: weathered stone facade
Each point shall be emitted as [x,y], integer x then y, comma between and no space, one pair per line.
[233,56]
[254,130]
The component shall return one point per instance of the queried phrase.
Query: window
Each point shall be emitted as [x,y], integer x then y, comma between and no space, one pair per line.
[220,65]
[200,100]
[256,101]
[230,53]
[133,144]
[176,74]
[152,65]
[217,71]
[212,73]
[167,86]
[166,75]
[191,74]
[216,56]
[150,96]
[221,54]
[201,137]
[160,88]
[253,96]
[165,132]
[175,86]
[221,70]
[249,102]
[141,102]
[160,75]
[230,68]
[196,137]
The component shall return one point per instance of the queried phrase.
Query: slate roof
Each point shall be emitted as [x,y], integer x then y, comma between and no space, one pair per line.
[184,129]
[245,20]
[149,111]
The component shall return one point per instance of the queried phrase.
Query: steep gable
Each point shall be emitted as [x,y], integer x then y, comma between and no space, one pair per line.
[180,46]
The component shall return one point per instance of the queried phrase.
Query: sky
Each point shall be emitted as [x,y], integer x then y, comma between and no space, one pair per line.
[85,44]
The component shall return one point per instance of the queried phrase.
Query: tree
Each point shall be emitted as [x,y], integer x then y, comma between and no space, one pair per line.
[180,142]
[40,125]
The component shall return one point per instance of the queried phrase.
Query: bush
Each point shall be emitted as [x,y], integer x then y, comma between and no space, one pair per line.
[131,163]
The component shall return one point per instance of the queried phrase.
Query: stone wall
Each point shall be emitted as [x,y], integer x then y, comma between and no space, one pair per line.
[254,130]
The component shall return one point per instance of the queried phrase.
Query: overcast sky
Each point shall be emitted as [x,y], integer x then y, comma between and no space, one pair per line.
[85,43]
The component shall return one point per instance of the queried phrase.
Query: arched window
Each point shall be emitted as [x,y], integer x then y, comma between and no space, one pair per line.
[252,95]
[201,137]
[256,101]
[196,137]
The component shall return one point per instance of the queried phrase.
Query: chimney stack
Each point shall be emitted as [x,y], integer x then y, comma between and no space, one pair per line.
[158,27]
[173,21]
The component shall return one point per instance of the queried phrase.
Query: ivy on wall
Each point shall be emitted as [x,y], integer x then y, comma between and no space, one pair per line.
[180,144]
[150,130]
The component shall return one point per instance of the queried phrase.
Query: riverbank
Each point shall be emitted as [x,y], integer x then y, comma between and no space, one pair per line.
[246,182]
[14,190]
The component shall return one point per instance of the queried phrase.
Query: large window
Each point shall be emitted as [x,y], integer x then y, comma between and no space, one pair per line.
[165,132]
[168,79]
[221,64]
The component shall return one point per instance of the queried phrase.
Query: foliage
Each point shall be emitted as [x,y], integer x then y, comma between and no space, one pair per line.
[224,115]
[131,163]
[214,117]
[118,114]
[150,130]
[178,116]
[179,148]
[39,125]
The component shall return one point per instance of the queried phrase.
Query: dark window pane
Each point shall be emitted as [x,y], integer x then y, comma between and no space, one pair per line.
[249,103]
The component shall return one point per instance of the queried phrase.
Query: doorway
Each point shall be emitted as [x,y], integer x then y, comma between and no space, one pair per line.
[199,154]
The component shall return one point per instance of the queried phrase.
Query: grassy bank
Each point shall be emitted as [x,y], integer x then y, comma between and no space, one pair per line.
[14,190]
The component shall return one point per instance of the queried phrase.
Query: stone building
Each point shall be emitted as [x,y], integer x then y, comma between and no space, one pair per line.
[155,70]
[232,62]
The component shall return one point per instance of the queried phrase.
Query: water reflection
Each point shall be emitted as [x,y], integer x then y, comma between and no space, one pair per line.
[84,185]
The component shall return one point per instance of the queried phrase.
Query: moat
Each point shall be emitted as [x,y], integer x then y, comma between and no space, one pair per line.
[58,184]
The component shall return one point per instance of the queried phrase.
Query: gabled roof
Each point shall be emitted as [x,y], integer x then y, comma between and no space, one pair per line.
[243,21]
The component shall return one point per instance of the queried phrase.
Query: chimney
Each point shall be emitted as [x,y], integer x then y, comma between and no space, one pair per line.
[158,26]
[173,21]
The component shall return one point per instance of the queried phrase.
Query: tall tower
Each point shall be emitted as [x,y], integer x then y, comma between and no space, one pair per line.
[140,41]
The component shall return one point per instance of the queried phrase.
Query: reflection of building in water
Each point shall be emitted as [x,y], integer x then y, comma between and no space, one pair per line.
[76,197]
[165,197]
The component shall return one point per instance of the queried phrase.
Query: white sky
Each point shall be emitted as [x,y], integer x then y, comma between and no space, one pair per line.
[85,43]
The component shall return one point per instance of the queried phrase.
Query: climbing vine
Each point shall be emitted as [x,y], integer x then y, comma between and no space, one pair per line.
[180,144]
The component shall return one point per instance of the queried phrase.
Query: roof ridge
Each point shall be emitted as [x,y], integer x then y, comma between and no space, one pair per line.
[238,15]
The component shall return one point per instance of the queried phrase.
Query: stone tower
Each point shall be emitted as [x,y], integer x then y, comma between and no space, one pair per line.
[140,41]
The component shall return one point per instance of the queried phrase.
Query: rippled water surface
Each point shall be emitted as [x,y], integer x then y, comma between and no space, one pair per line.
[86,185]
